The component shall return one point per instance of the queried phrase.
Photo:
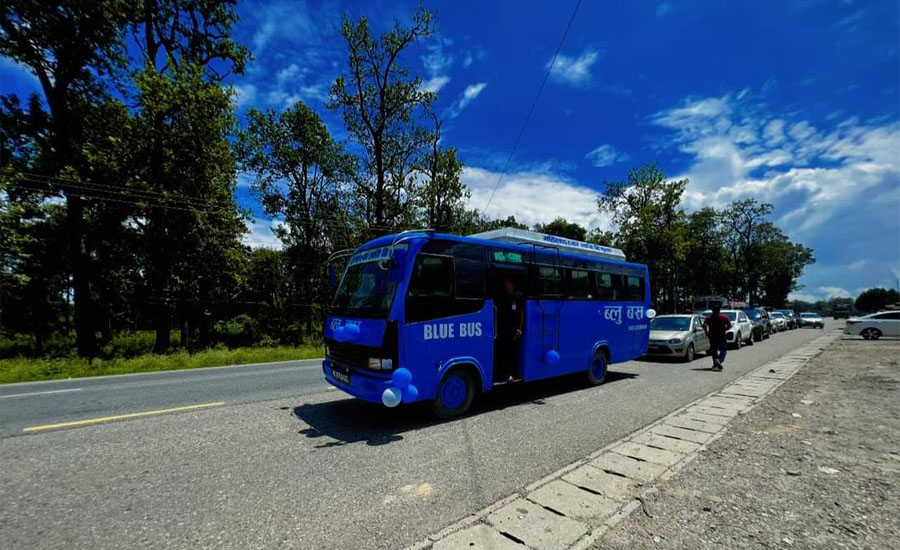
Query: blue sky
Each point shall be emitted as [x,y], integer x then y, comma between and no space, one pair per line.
[793,103]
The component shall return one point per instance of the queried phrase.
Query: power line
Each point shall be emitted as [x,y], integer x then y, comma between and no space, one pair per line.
[533,105]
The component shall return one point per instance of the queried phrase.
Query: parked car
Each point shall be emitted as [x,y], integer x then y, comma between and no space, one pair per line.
[875,325]
[813,320]
[741,330]
[677,336]
[793,320]
[779,321]
[762,324]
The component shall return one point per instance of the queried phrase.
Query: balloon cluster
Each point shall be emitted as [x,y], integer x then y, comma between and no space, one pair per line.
[402,389]
[346,332]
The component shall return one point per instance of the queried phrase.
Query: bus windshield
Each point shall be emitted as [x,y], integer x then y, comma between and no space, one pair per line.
[367,289]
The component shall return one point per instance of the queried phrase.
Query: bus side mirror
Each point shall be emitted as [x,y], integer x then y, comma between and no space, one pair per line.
[331,276]
[395,264]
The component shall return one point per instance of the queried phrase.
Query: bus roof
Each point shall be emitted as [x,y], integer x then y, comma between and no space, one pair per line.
[522,236]
[480,238]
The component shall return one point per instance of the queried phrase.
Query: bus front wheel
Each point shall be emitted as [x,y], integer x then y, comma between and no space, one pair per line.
[596,373]
[454,395]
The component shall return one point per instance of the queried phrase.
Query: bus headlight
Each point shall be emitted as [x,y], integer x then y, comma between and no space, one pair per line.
[377,363]
[675,341]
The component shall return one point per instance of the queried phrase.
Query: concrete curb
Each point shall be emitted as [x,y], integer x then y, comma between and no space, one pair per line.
[596,493]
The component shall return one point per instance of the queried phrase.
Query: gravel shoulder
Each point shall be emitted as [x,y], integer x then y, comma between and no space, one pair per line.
[816,465]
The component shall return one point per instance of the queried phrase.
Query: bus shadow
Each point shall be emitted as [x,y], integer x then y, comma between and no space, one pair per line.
[347,421]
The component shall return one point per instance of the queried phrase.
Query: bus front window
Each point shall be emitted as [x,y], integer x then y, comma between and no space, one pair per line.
[367,289]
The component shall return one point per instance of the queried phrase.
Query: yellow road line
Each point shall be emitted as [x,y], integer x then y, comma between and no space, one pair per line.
[120,417]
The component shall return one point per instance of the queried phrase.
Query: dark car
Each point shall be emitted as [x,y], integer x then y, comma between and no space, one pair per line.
[762,324]
[841,312]
[793,320]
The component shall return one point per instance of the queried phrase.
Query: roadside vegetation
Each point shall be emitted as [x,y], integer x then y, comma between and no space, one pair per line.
[28,369]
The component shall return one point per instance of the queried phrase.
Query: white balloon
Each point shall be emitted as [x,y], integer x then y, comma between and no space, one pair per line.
[391,397]
[651,313]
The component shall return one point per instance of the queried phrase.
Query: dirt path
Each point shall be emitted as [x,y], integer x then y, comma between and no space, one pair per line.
[817,465]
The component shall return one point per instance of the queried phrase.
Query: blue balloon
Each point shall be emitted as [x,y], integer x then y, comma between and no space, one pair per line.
[552,357]
[391,397]
[410,394]
[339,333]
[401,378]
[351,332]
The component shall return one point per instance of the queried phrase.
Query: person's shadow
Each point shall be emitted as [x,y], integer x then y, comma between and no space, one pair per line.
[351,420]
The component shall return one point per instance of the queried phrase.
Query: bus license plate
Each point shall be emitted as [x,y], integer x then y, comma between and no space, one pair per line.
[341,377]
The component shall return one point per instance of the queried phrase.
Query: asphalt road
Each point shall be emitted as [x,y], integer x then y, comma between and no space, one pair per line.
[40,403]
[287,463]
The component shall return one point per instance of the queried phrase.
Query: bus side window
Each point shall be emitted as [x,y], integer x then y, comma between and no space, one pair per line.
[579,285]
[470,271]
[430,293]
[549,281]
[634,288]
[605,288]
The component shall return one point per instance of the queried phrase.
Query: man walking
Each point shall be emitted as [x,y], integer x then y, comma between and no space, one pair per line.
[715,326]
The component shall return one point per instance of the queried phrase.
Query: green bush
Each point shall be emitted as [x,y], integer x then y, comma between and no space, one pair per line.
[23,369]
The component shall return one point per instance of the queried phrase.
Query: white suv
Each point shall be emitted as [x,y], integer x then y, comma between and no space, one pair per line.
[874,326]
[741,330]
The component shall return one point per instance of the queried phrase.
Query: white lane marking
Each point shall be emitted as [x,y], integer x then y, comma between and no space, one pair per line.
[38,393]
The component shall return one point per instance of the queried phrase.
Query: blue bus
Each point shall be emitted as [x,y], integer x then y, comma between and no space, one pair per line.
[424,316]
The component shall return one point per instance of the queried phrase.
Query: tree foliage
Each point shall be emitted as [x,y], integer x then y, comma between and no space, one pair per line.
[874,299]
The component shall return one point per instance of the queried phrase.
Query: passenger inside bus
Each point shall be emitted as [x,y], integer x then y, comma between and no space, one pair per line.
[510,327]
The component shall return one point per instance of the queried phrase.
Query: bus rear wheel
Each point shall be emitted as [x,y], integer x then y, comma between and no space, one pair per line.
[596,373]
[454,394]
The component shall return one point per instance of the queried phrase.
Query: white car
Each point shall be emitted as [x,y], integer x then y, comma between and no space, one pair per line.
[813,320]
[874,326]
[741,330]
[779,321]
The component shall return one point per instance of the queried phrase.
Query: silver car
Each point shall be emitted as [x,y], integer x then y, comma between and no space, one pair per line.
[679,336]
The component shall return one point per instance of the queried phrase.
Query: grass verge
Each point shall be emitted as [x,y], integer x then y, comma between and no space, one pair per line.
[24,369]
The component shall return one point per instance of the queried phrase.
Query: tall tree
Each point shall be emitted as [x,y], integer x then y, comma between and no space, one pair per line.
[300,176]
[68,46]
[782,263]
[875,299]
[442,196]
[708,268]
[382,106]
[186,116]
[746,232]
[651,226]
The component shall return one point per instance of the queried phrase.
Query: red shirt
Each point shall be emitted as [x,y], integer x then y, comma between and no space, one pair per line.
[716,326]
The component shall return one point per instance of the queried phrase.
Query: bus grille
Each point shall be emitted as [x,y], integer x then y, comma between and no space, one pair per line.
[348,355]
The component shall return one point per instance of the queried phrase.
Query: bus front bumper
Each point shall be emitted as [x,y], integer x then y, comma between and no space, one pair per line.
[362,384]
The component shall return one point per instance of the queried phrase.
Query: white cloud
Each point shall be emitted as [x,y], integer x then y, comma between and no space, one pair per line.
[574,70]
[835,190]
[245,94]
[434,84]
[260,233]
[291,86]
[534,196]
[283,20]
[606,155]
[437,63]
[468,96]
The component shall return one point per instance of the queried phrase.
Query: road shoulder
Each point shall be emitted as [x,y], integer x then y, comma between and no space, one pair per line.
[575,506]
[817,465]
